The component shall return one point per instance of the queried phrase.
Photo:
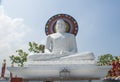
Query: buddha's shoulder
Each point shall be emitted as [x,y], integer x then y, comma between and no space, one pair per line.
[52,35]
[64,34]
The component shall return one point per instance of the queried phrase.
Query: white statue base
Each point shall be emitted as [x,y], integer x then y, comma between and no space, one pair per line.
[50,69]
[35,68]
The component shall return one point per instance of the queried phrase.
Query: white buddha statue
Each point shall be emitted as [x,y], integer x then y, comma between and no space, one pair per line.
[61,46]
[61,42]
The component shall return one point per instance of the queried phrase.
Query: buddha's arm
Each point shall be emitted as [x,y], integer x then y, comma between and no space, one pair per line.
[73,45]
[48,44]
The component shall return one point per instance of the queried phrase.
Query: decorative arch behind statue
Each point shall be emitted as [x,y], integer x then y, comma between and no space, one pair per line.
[71,24]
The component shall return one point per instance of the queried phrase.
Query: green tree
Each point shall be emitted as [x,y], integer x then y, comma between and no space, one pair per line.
[36,48]
[20,58]
[105,59]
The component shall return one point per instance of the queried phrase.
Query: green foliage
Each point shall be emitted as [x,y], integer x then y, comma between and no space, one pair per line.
[105,59]
[20,58]
[116,57]
[34,47]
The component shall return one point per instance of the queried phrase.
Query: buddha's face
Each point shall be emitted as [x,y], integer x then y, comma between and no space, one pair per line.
[60,26]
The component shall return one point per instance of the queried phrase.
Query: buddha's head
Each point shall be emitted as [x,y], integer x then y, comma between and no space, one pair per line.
[60,26]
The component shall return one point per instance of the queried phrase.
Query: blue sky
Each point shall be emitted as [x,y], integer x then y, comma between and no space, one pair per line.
[98,20]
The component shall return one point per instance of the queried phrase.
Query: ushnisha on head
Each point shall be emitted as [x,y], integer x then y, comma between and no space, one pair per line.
[60,26]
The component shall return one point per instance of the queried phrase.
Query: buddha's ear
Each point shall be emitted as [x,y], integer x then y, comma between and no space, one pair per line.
[67,27]
[54,28]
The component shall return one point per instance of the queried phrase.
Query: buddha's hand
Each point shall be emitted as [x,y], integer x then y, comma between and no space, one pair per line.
[47,51]
[65,52]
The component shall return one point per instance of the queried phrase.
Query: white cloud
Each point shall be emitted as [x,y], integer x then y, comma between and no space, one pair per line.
[13,32]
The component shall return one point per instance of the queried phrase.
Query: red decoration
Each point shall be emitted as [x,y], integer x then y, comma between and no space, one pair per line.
[114,72]
[12,65]
[16,79]
[113,64]
[3,68]
[119,73]
[117,65]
